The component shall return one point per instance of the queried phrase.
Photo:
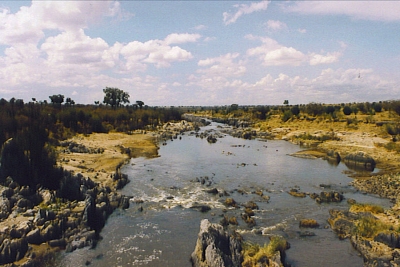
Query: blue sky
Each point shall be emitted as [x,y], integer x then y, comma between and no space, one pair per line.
[201,52]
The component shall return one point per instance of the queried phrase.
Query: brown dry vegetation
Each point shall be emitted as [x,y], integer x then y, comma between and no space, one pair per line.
[99,166]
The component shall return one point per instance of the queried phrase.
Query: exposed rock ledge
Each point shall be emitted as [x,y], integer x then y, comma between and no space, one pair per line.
[216,248]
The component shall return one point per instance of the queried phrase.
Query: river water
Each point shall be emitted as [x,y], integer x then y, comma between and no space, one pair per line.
[162,231]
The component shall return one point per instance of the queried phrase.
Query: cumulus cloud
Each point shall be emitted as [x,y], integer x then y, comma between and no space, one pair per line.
[271,53]
[156,52]
[179,38]
[29,23]
[77,48]
[276,25]
[224,65]
[366,10]
[244,9]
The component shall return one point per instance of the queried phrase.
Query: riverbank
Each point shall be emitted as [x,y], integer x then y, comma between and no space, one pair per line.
[373,231]
[37,223]
[98,155]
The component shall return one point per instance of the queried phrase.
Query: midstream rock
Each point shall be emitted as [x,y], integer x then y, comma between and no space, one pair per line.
[216,248]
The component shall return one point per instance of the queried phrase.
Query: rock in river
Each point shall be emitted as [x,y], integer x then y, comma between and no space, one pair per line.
[216,248]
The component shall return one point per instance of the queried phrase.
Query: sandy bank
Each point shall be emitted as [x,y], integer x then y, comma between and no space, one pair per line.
[116,149]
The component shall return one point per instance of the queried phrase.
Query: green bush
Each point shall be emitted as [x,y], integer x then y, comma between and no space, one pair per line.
[347,110]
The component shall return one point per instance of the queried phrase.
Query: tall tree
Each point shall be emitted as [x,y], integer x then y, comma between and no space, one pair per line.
[115,97]
[57,99]
[140,103]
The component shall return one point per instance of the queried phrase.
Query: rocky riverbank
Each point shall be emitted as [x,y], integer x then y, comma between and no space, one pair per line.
[362,146]
[37,222]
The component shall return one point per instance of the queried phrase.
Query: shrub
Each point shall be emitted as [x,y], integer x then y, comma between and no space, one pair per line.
[255,255]
[347,110]
[369,227]
[286,115]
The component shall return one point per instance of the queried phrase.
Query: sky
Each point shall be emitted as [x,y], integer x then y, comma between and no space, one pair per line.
[184,53]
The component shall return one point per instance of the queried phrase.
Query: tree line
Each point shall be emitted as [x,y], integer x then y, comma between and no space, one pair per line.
[36,127]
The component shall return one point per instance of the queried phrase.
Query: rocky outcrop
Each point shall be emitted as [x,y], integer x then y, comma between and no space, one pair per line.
[376,253]
[360,160]
[333,157]
[70,217]
[216,248]
[386,185]
[327,197]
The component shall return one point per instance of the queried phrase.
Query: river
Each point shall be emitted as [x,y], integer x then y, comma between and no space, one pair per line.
[160,228]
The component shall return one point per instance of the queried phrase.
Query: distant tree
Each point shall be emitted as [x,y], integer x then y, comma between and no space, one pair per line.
[295,110]
[69,102]
[19,103]
[329,109]
[234,107]
[57,99]
[377,107]
[286,102]
[314,109]
[115,97]
[347,110]
[140,103]
[3,102]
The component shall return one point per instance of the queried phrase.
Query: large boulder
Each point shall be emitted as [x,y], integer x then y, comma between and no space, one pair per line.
[216,248]
[360,160]
[13,250]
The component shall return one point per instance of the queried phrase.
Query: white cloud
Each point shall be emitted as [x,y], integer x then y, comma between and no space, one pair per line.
[200,27]
[244,9]
[224,65]
[78,49]
[179,38]
[366,10]
[155,52]
[316,59]
[276,25]
[302,30]
[29,23]
[271,53]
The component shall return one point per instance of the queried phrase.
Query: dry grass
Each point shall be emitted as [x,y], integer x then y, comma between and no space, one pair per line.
[374,209]
[256,255]
[99,166]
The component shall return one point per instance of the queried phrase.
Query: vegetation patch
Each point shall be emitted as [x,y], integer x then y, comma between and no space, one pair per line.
[256,255]
[374,209]
[369,227]
[308,223]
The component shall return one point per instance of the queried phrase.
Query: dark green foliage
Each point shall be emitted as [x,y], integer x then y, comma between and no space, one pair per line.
[295,110]
[396,107]
[57,99]
[260,112]
[286,115]
[393,129]
[115,97]
[377,107]
[329,109]
[347,110]
[34,127]
[314,109]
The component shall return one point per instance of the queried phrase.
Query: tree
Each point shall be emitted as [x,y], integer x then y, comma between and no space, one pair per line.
[140,103]
[286,102]
[115,97]
[69,102]
[57,99]
[347,110]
